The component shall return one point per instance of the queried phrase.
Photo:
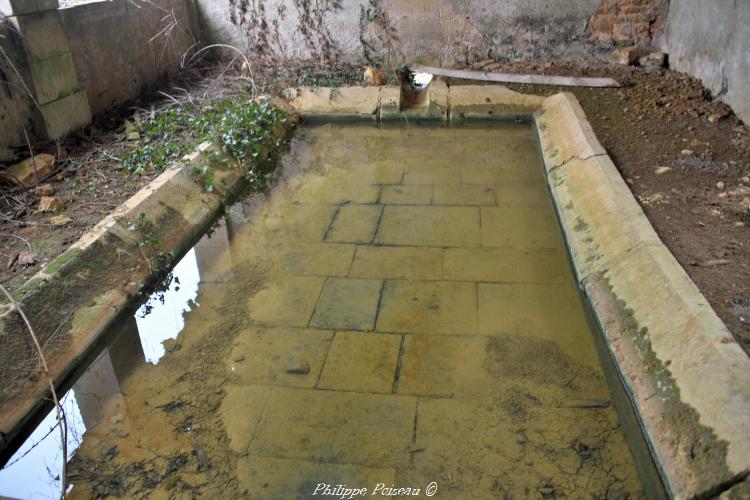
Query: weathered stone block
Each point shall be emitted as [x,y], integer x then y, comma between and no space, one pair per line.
[318,259]
[505,265]
[397,262]
[435,366]
[54,78]
[362,362]
[465,194]
[30,170]
[599,215]
[322,192]
[372,431]
[352,102]
[265,356]
[240,412]
[564,131]
[523,227]
[290,302]
[43,34]
[64,115]
[348,304]
[490,102]
[429,226]
[431,307]
[416,194]
[689,380]
[354,224]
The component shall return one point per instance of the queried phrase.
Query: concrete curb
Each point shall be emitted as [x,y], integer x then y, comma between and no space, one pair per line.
[686,377]
[98,276]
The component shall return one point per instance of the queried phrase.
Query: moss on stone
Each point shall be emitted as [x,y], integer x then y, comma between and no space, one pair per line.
[707,454]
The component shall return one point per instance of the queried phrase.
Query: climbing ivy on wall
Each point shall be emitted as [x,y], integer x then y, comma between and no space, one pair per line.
[377,35]
[263,38]
[262,30]
[313,27]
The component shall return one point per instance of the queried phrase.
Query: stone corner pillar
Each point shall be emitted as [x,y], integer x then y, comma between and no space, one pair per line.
[50,70]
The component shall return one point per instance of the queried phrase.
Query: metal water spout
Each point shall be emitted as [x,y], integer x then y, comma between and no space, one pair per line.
[415,88]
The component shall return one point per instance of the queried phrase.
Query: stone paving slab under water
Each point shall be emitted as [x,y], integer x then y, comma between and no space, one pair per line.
[398,310]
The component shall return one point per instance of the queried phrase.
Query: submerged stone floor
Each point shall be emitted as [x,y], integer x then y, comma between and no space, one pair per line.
[399,310]
[420,325]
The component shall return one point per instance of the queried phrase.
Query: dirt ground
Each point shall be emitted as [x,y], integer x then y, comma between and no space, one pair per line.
[689,172]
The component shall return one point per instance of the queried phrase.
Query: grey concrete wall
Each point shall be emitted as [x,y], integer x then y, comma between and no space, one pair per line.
[710,39]
[435,31]
[113,49]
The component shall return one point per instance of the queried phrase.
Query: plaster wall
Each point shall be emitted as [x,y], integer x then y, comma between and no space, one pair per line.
[428,31]
[710,39]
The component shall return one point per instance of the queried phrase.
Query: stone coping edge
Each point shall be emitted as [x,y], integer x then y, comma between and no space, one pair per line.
[452,104]
[89,285]
[686,377]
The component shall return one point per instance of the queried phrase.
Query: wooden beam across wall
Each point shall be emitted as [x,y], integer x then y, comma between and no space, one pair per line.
[563,81]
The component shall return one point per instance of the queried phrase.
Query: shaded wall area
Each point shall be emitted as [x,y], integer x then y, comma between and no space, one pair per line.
[15,104]
[710,39]
[119,47]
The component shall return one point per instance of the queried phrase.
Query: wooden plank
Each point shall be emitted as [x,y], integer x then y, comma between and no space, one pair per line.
[563,81]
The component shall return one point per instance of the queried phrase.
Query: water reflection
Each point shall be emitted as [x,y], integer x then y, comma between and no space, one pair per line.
[34,470]
[161,317]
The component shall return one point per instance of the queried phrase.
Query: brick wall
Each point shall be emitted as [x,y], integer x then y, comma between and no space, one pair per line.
[627,22]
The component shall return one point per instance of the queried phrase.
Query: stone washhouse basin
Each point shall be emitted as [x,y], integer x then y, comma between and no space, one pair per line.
[680,381]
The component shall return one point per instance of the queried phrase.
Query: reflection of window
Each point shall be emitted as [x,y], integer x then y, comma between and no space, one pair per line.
[73,3]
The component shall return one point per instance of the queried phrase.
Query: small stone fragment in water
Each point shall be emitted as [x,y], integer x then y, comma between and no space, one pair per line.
[298,367]
[171,345]
[120,433]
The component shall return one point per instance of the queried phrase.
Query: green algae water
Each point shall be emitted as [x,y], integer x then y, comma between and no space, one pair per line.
[395,317]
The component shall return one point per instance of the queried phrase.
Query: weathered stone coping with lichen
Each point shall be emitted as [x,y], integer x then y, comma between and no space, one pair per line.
[76,297]
[687,378]
[447,104]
